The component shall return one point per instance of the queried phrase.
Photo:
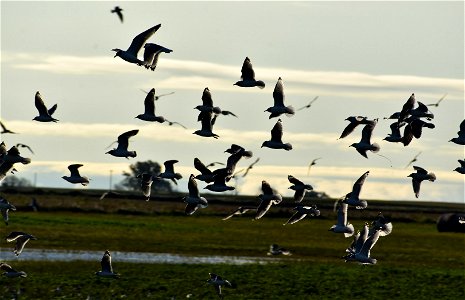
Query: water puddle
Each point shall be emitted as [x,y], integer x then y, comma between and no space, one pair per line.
[131,257]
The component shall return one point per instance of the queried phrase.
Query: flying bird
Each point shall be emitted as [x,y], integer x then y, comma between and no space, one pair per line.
[278,107]
[123,143]
[169,171]
[354,122]
[299,187]
[342,225]
[414,159]
[10,272]
[9,158]
[406,108]
[276,138]
[45,115]
[460,140]
[206,174]
[75,176]
[248,76]
[219,182]
[247,170]
[461,169]
[118,10]
[149,109]
[207,104]
[107,269]
[193,199]
[19,145]
[309,104]
[5,207]
[268,198]
[352,198]
[439,101]
[359,238]
[152,53]
[130,55]
[218,282]
[302,212]
[4,129]
[363,256]
[158,96]
[381,223]
[146,184]
[418,177]
[21,239]
[171,123]
[395,135]
[239,211]
[312,163]
[365,142]
[208,120]
[414,129]
[276,250]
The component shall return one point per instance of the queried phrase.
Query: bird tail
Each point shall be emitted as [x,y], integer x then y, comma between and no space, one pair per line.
[177,176]
[290,111]
[375,147]
[260,84]
[247,154]
[287,146]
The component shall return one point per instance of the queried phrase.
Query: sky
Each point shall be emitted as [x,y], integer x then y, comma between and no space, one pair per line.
[359,58]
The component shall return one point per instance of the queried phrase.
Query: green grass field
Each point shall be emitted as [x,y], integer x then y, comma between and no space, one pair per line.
[415,261]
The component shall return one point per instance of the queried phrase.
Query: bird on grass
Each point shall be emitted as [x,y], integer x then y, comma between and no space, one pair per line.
[45,115]
[276,250]
[169,171]
[107,269]
[352,198]
[5,207]
[239,211]
[309,104]
[461,169]
[75,176]
[299,187]
[21,239]
[276,138]
[268,198]
[217,281]
[342,225]
[365,142]
[193,199]
[418,177]
[10,272]
[439,101]
[248,76]
[278,107]
[130,55]
[123,143]
[312,163]
[302,212]
[4,129]
[118,10]
[460,140]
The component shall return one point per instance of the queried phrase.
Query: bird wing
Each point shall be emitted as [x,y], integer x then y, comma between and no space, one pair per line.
[416,187]
[7,268]
[369,243]
[20,243]
[266,188]
[149,102]
[191,208]
[367,132]
[14,235]
[262,208]
[277,132]
[201,167]
[342,214]
[407,107]
[299,195]
[74,170]
[420,170]
[169,165]
[247,72]
[295,218]
[140,39]
[40,105]
[395,129]
[207,98]
[207,121]
[106,262]
[227,112]
[358,184]
[462,163]
[192,186]
[294,180]
[123,139]
[349,128]
[120,15]
[462,127]
[278,93]
[421,107]
[52,109]
[408,134]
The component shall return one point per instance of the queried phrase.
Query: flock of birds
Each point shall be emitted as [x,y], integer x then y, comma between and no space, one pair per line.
[414,116]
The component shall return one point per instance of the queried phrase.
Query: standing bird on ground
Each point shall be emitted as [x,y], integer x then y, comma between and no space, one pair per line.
[461,169]
[365,142]
[354,122]
[460,140]
[194,200]
[4,129]
[75,176]
[118,10]
[418,177]
[149,109]
[352,198]
[21,239]
[123,143]
[218,282]
[169,171]
[45,115]
[342,225]
[299,187]
[152,53]
[302,212]
[276,138]
[10,272]
[278,107]
[268,198]
[312,163]
[5,207]
[309,104]
[107,269]
[248,76]
[130,55]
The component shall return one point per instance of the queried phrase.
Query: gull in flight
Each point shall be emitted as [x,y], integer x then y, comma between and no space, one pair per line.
[268,198]
[21,239]
[118,10]
[45,115]
[365,142]
[206,174]
[395,135]
[354,122]
[299,187]
[312,164]
[208,120]
[276,138]
[146,184]
[302,212]
[439,101]
[123,143]
[460,140]
[239,211]
[152,53]
[418,177]
[278,107]
[219,182]
[4,129]
[461,169]
[352,198]
[248,76]
[194,200]
[149,109]
[130,55]
[10,272]
[18,145]
[309,104]
[107,269]
[414,159]
[9,158]
[75,176]
[5,206]
[169,171]
[342,225]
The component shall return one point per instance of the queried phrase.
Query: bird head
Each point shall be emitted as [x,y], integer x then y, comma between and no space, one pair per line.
[118,52]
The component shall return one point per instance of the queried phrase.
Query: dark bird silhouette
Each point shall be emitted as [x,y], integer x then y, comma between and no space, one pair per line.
[21,239]
[395,135]
[460,169]
[268,198]
[354,122]
[312,163]
[276,138]
[19,145]
[208,120]
[171,123]
[107,269]
[4,129]
[460,140]
[239,211]
[406,108]
[352,198]
[118,10]
[45,115]
[439,101]
[248,76]
[152,53]
[418,177]
[278,107]
[299,187]
[365,142]
[123,143]
[158,96]
[309,104]
[414,129]
[206,174]
[149,109]
[414,159]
